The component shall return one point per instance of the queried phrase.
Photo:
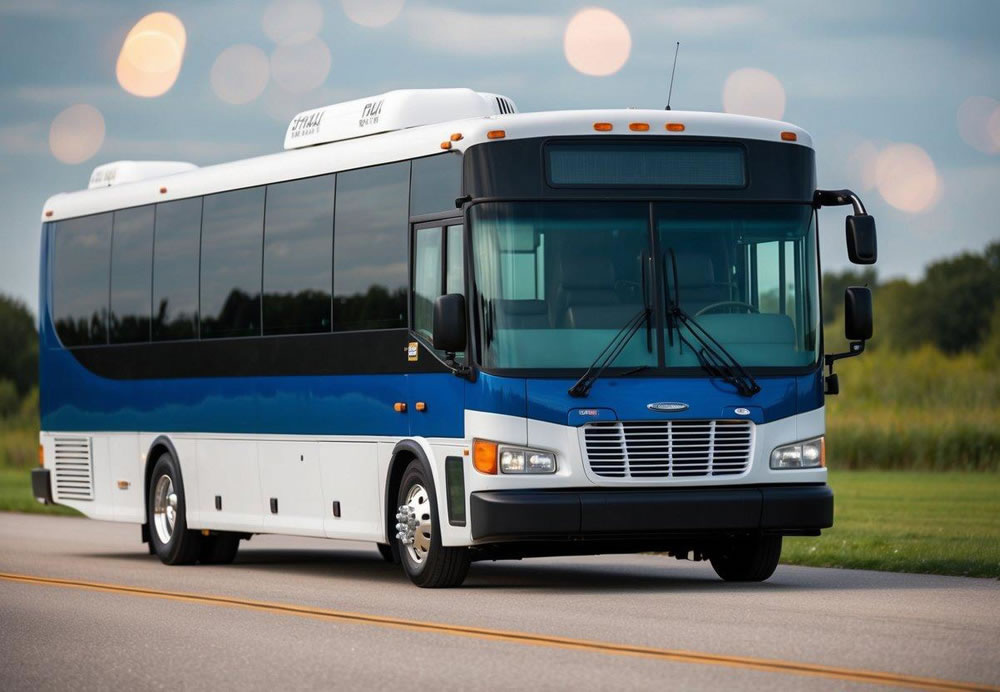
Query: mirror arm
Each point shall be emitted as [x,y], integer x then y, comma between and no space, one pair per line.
[832,384]
[838,198]
[459,369]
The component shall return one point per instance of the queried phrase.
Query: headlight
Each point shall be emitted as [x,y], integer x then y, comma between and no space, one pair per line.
[521,460]
[807,454]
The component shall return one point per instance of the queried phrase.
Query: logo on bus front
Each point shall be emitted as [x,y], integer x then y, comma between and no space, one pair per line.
[667,406]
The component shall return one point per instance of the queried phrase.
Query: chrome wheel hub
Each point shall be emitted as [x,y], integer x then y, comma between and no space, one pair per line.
[414,525]
[164,508]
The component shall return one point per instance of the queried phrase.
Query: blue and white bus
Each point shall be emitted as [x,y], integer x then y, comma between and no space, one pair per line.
[454,330]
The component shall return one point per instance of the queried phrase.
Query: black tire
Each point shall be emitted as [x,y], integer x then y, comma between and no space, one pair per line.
[388,552]
[183,544]
[441,567]
[747,559]
[218,549]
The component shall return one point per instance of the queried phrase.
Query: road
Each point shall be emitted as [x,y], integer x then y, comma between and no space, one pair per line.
[306,613]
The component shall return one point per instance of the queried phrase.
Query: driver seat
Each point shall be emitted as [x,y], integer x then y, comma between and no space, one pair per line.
[698,287]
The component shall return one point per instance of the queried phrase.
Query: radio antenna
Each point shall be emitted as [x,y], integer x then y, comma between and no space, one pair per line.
[670,91]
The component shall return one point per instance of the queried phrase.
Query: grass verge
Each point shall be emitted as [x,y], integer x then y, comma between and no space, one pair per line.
[16,495]
[909,521]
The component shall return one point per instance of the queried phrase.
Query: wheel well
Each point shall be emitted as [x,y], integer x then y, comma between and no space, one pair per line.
[397,466]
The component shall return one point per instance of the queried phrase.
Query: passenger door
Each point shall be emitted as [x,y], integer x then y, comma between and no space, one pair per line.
[436,397]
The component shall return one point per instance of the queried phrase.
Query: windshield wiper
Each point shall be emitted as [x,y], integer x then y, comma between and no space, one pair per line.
[712,356]
[607,356]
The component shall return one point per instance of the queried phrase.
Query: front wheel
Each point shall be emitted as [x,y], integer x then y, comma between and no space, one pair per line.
[747,559]
[428,563]
[169,535]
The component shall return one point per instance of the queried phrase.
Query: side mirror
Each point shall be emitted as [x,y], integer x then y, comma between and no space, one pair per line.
[862,247]
[858,318]
[449,323]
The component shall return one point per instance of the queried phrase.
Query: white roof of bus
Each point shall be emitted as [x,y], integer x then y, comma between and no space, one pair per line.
[404,144]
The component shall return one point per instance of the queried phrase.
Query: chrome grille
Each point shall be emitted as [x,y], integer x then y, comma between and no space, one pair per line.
[668,449]
[74,473]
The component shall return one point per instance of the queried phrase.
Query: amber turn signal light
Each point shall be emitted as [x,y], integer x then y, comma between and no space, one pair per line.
[484,456]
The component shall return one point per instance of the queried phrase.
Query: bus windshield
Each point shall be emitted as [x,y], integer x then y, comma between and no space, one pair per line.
[555,281]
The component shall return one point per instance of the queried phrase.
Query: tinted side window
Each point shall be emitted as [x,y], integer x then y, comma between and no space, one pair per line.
[175,269]
[455,282]
[231,240]
[131,275]
[435,183]
[369,256]
[80,279]
[298,256]
[426,278]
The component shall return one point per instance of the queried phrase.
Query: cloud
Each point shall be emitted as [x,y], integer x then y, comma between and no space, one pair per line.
[24,139]
[63,95]
[468,33]
[200,151]
[704,21]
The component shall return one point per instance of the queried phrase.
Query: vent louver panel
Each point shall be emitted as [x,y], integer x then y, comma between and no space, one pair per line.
[668,449]
[74,470]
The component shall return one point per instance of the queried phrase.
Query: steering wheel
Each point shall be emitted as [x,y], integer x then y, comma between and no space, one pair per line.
[727,303]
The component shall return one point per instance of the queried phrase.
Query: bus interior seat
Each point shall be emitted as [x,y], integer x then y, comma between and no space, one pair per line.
[523,314]
[586,295]
[698,287]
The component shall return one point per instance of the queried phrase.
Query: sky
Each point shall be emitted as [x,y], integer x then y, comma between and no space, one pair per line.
[901,97]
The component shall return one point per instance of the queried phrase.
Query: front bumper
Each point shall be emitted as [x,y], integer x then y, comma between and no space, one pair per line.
[580,513]
[41,486]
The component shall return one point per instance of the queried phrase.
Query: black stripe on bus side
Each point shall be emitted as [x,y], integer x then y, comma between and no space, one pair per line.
[344,353]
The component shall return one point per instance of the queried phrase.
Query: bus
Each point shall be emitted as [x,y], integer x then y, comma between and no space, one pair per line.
[455,330]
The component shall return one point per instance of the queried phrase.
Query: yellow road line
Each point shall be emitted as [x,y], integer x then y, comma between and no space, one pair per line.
[743,662]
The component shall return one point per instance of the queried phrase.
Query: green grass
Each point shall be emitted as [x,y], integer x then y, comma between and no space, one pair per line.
[16,495]
[926,522]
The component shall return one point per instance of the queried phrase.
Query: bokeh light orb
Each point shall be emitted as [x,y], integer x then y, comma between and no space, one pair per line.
[76,134]
[151,55]
[372,13]
[907,178]
[302,67]
[240,73]
[993,127]
[862,162]
[290,22]
[751,91]
[597,42]
[978,119]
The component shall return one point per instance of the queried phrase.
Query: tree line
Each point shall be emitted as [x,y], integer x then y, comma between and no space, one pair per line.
[954,307]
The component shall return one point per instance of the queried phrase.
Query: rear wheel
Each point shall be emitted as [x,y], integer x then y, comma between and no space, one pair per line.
[388,553]
[169,535]
[747,559]
[218,549]
[428,563]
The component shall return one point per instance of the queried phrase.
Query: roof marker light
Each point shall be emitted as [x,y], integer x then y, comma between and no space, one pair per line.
[48,213]
[496,134]
[456,136]
[638,127]
[675,127]
[163,190]
[446,144]
[789,136]
[603,127]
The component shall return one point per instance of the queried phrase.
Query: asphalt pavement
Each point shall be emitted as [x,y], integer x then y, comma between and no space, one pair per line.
[83,606]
